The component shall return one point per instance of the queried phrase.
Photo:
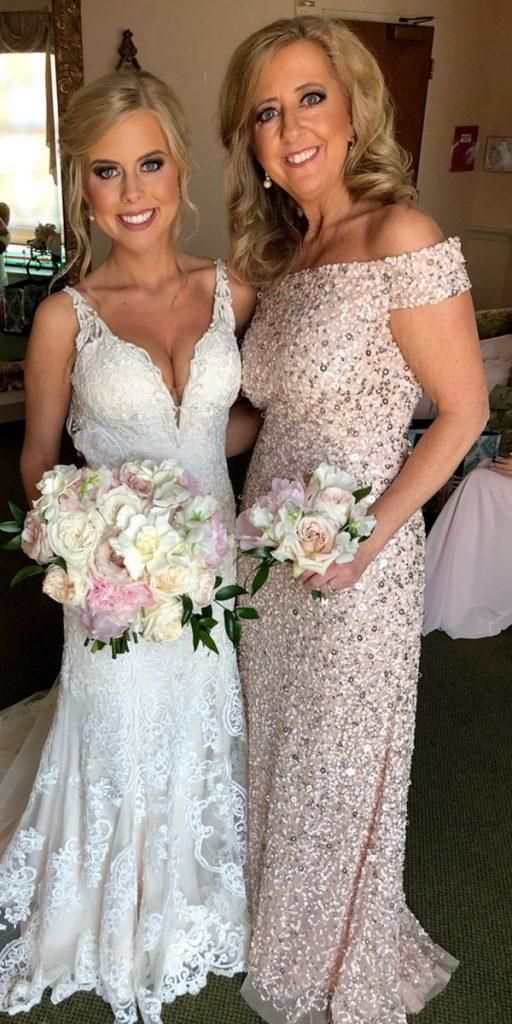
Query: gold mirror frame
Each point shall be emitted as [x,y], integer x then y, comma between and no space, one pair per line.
[69,68]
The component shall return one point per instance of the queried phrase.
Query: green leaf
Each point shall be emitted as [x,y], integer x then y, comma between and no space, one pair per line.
[259,552]
[10,526]
[229,623]
[246,612]
[188,609]
[226,593]
[207,623]
[208,641]
[362,493]
[218,581]
[61,562]
[196,631]
[206,613]
[12,544]
[259,579]
[17,513]
[29,570]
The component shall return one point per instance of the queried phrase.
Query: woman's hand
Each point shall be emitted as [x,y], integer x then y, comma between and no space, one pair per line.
[340,577]
[503,466]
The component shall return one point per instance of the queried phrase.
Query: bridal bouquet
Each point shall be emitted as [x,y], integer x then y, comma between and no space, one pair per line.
[311,525]
[132,551]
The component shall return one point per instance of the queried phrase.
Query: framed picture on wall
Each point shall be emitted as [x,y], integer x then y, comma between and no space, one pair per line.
[498,153]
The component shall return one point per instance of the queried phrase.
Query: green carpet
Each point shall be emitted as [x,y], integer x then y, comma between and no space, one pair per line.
[459,850]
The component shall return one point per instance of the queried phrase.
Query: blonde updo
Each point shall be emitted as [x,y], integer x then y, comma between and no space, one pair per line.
[93,111]
[266,227]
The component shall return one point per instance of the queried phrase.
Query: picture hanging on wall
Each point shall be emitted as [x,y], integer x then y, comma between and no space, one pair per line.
[464,147]
[498,153]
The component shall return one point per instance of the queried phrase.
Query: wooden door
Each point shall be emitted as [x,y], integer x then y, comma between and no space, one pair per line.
[404,55]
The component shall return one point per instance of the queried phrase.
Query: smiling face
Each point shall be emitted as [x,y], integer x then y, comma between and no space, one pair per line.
[302,123]
[132,182]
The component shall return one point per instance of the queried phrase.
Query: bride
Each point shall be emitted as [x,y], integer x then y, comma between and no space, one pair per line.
[122,812]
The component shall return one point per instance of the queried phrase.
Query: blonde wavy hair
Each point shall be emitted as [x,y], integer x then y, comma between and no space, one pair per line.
[93,111]
[266,227]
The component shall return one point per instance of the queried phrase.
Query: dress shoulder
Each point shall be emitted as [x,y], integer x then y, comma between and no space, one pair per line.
[427,275]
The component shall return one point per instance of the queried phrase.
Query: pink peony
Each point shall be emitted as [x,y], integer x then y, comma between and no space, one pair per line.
[34,539]
[111,609]
[190,482]
[220,542]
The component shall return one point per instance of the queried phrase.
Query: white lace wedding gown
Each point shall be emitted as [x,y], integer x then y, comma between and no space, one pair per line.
[122,816]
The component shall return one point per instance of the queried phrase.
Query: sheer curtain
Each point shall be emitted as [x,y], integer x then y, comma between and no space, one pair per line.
[27,121]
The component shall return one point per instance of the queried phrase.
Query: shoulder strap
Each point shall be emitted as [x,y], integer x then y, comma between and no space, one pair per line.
[223,306]
[86,316]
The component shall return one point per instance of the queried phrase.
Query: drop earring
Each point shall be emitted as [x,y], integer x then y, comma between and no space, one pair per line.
[267,183]
[91,215]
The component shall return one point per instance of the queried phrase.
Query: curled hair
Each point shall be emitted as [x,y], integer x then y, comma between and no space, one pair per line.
[266,227]
[93,111]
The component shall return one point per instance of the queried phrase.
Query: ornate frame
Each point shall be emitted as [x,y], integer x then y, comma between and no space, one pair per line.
[69,66]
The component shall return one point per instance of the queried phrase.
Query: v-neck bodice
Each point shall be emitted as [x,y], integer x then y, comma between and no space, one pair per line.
[122,409]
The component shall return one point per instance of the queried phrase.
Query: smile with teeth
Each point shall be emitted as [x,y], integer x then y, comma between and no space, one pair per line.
[136,218]
[303,156]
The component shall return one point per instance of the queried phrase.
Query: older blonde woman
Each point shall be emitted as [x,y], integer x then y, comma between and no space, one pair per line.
[362,302]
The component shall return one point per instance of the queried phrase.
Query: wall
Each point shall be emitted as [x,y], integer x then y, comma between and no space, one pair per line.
[472,84]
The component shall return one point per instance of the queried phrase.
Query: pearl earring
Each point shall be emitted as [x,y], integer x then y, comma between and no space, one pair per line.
[351,143]
[267,182]
[91,215]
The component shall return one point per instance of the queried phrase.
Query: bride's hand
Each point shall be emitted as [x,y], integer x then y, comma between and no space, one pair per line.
[338,577]
[503,466]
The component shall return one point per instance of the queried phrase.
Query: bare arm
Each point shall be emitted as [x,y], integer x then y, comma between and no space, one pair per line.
[243,428]
[439,342]
[50,356]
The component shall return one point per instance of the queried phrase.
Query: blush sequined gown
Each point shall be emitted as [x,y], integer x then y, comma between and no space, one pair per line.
[330,687]
[122,819]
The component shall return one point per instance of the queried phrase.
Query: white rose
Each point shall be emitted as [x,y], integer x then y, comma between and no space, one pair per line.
[145,543]
[202,594]
[65,587]
[120,499]
[329,476]
[163,622]
[138,476]
[175,579]
[337,503]
[74,535]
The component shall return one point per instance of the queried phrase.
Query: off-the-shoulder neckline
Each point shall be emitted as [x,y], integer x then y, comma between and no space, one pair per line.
[452,239]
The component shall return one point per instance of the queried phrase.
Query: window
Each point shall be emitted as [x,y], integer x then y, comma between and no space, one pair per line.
[25,182]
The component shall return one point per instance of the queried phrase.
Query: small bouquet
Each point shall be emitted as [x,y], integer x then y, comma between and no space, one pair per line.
[132,552]
[309,525]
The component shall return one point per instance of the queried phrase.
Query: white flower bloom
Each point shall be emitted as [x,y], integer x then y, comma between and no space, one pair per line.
[74,535]
[329,476]
[204,588]
[178,578]
[68,588]
[163,622]
[168,490]
[145,543]
[52,485]
[119,505]
[336,502]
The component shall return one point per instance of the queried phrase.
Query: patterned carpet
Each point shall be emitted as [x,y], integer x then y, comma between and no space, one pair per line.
[459,851]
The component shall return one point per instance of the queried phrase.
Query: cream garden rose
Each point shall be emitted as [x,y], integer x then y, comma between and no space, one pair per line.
[164,622]
[74,536]
[68,588]
[337,503]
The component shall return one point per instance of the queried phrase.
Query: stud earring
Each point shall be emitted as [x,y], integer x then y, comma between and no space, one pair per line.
[350,143]
[91,215]
[267,183]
